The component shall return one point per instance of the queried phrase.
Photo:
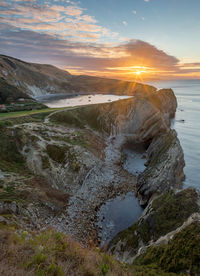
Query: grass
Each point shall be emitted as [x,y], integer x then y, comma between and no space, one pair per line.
[10,158]
[91,116]
[5,116]
[9,194]
[57,153]
[180,255]
[50,253]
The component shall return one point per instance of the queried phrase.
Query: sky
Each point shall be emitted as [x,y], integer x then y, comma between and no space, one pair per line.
[124,39]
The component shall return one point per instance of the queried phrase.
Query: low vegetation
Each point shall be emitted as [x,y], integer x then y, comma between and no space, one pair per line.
[10,158]
[168,212]
[80,117]
[51,253]
[9,92]
[180,255]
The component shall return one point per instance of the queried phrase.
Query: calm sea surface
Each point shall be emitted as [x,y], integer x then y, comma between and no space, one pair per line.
[62,100]
[187,125]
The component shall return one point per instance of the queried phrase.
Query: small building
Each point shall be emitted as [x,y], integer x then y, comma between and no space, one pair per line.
[2,107]
[21,99]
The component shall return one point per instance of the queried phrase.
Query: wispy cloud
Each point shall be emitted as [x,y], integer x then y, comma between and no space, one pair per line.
[66,20]
[124,23]
[134,11]
[119,61]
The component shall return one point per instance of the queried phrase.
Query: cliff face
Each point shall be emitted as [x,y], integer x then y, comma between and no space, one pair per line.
[77,153]
[40,79]
[164,171]
[142,116]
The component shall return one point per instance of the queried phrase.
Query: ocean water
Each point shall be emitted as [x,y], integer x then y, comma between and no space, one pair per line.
[187,125]
[62,100]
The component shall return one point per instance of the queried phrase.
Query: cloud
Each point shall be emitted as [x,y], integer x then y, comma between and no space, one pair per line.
[146,0]
[66,36]
[134,11]
[67,20]
[119,61]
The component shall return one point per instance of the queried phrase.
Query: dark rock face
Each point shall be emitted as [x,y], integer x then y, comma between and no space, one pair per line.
[165,163]
[166,102]
[165,214]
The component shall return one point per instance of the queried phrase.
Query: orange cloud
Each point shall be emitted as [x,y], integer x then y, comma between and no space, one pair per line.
[66,36]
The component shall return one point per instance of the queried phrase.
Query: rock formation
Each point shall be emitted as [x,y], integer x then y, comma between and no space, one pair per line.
[166,214]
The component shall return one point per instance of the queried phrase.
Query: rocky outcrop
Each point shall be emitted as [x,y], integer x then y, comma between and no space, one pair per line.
[164,171]
[139,116]
[166,214]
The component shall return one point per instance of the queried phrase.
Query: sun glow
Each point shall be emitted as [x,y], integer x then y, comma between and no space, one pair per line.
[138,72]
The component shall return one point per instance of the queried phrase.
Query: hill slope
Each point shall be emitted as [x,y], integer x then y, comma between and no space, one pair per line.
[40,79]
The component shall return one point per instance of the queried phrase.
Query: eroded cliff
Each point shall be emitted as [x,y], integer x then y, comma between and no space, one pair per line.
[77,154]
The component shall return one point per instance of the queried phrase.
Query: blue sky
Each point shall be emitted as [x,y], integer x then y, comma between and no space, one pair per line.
[173,25]
[112,38]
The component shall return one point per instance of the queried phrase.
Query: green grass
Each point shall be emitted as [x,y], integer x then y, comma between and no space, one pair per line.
[57,153]
[5,116]
[83,117]
[50,253]
[10,158]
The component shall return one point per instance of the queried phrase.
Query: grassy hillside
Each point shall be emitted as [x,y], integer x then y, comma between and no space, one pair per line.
[51,253]
[9,93]
[15,99]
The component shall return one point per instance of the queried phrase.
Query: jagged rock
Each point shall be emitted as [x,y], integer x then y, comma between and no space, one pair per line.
[165,163]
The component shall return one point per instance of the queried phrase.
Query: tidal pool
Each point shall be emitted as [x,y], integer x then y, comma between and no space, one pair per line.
[116,215]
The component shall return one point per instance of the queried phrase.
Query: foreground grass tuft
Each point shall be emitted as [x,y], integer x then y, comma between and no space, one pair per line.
[51,253]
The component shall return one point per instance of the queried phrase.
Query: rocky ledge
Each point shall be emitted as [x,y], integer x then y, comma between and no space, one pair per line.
[164,217]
